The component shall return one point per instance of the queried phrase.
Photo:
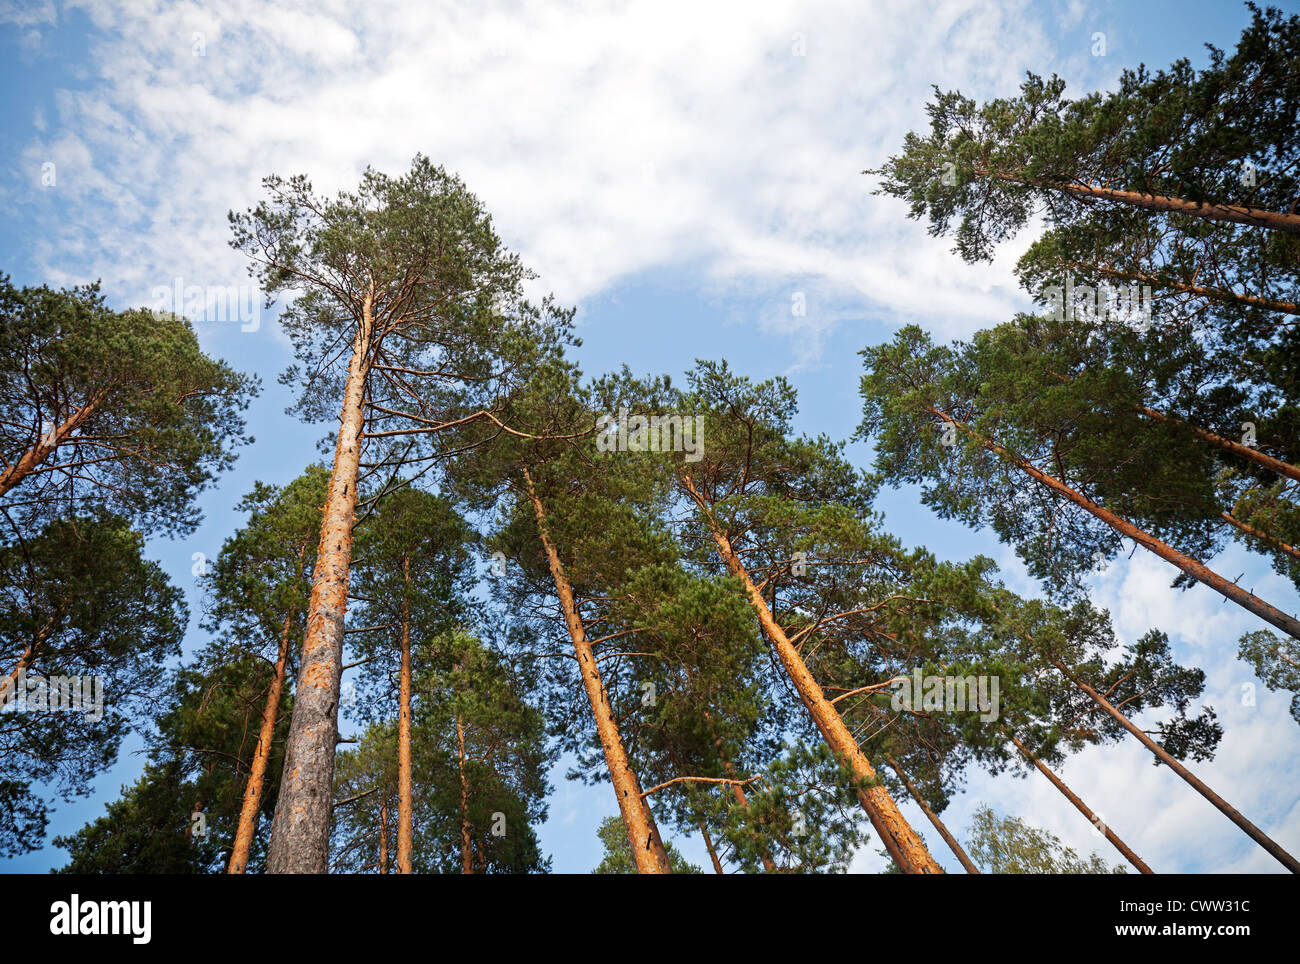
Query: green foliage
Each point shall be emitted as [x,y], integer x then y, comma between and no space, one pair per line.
[473,730]
[1008,845]
[1276,661]
[156,420]
[618,851]
[78,599]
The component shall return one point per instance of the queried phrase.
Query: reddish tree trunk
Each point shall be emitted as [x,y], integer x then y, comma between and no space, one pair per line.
[1197,570]
[903,843]
[1164,757]
[48,443]
[648,851]
[257,772]
[1082,807]
[466,839]
[948,838]
[404,791]
[1231,213]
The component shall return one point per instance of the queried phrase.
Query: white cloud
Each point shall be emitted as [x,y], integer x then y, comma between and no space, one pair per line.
[606,140]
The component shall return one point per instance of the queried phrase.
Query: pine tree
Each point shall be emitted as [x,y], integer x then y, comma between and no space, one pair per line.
[114,410]
[82,613]
[406,279]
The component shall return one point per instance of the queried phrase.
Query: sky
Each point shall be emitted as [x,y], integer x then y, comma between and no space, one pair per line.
[686,175]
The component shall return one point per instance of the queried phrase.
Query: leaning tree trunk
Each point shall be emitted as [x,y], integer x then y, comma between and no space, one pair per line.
[1079,805]
[1164,757]
[301,828]
[257,772]
[708,845]
[648,850]
[1261,535]
[903,843]
[1214,294]
[404,792]
[1230,213]
[1248,452]
[939,825]
[46,446]
[1197,570]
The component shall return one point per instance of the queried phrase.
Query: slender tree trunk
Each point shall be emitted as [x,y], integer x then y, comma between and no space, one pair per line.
[1228,445]
[9,689]
[1197,570]
[1163,756]
[301,827]
[383,838]
[404,793]
[708,845]
[1230,213]
[648,850]
[1215,294]
[1250,453]
[737,790]
[257,772]
[903,843]
[466,839]
[46,446]
[1261,535]
[948,838]
[765,854]
[1079,805]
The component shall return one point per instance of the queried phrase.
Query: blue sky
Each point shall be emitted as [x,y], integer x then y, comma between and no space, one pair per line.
[680,172]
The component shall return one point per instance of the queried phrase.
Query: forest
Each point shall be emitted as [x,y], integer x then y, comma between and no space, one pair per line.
[503,568]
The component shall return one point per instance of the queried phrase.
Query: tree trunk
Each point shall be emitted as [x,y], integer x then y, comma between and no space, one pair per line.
[1197,570]
[905,846]
[1163,756]
[948,838]
[1231,213]
[648,850]
[9,690]
[713,854]
[1214,294]
[257,772]
[383,838]
[48,443]
[1228,445]
[466,839]
[1261,535]
[404,793]
[1079,805]
[301,828]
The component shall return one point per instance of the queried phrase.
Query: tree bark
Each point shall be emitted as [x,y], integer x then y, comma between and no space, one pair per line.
[948,838]
[1231,213]
[648,851]
[266,735]
[404,792]
[903,843]
[713,854]
[1079,805]
[1214,294]
[1197,570]
[48,443]
[383,838]
[1261,535]
[1164,757]
[466,839]
[301,827]
[1236,448]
